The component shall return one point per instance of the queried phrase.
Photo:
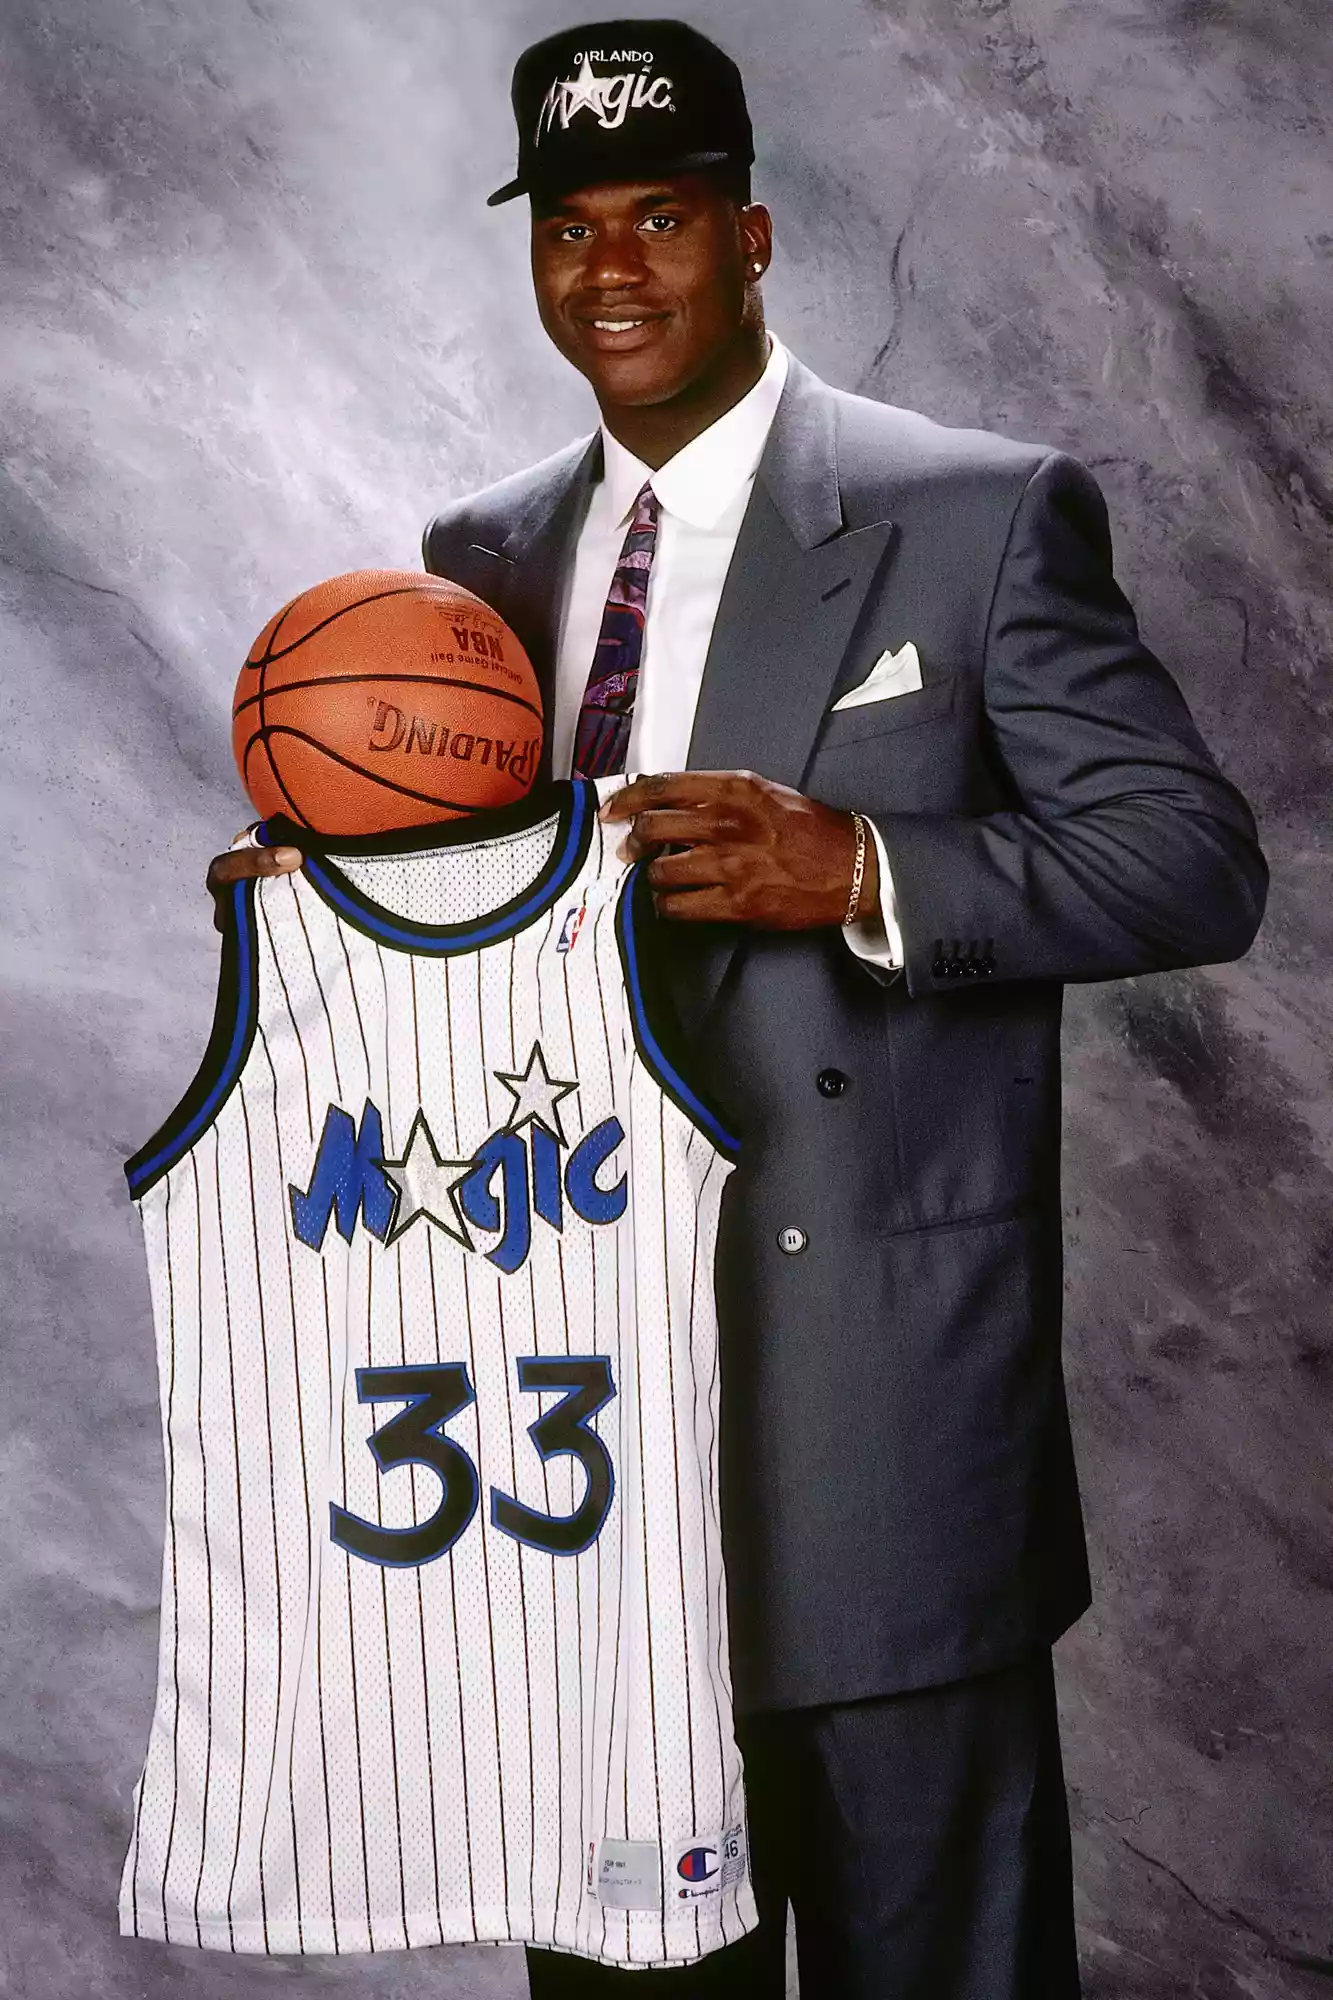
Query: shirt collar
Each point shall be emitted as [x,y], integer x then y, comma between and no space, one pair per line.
[706,475]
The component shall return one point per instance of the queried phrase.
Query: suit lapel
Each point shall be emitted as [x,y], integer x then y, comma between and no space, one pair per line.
[794,591]
[525,578]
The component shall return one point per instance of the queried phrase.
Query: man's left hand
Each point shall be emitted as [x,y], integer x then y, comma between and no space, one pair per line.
[745,851]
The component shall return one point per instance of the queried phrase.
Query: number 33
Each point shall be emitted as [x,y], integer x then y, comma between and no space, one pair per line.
[436,1391]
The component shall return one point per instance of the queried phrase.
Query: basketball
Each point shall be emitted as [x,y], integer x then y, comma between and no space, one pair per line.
[384,699]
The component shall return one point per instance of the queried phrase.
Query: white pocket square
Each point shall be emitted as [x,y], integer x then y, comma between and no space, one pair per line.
[892,673]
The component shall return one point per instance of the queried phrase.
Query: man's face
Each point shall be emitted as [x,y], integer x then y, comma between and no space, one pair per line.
[642,284]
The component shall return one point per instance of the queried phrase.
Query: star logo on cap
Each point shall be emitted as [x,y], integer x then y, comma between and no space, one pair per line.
[583,92]
[609,98]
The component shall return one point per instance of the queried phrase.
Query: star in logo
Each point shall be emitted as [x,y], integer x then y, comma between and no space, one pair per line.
[583,92]
[536,1094]
[427,1185]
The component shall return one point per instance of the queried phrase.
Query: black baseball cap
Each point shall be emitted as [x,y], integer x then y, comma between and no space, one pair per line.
[615,100]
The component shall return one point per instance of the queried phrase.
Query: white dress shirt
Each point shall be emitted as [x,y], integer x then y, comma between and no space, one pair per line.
[702,495]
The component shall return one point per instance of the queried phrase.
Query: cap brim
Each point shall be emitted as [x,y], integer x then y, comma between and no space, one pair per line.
[593,174]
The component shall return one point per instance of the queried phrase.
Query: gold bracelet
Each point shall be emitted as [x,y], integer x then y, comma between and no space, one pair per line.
[858,869]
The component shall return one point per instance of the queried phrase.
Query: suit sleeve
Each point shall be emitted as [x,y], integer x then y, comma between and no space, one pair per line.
[1125,850]
[433,541]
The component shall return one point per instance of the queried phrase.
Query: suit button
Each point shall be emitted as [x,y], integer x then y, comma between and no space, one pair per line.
[792,1241]
[831,1082]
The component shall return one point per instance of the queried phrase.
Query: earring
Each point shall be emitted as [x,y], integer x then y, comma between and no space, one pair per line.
[756,268]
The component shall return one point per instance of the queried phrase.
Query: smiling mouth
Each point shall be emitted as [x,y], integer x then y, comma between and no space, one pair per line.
[619,323]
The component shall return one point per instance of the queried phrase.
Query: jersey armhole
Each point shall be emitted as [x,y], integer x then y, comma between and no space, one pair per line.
[657,1033]
[235,1013]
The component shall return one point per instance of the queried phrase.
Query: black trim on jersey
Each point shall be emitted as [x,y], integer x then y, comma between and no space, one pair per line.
[235,1014]
[658,1038]
[574,801]
[542,802]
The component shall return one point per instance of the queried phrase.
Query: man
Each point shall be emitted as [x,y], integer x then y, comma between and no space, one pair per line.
[971,768]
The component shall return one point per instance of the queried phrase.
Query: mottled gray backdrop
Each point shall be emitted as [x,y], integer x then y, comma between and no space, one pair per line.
[257,322]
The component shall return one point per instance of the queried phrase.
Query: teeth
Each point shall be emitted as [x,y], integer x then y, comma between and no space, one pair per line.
[616,325]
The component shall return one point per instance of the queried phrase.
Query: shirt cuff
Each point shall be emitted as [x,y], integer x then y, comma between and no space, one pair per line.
[875,938]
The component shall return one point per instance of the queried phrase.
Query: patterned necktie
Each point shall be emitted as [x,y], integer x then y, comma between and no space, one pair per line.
[601,740]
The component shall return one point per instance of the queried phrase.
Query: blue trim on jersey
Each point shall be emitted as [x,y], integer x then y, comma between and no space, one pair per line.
[237,997]
[440,942]
[650,1048]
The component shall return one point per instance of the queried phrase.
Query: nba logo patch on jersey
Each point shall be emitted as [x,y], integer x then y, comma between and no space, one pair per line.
[569,930]
[594,895]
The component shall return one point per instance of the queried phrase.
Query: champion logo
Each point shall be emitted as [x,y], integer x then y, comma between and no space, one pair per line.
[609,98]
[697,1864]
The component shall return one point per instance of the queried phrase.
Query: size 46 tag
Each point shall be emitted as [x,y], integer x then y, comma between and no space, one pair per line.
[702,1868]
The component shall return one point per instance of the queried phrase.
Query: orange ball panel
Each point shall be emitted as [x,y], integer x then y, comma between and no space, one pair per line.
[257,773]
[384,699]
[319,609]
[448,747]
[319,791]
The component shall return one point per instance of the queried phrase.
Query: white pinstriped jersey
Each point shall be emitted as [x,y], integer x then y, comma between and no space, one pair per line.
[443,1650]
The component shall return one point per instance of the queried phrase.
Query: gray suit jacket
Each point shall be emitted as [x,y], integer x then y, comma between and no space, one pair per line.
[899,1499]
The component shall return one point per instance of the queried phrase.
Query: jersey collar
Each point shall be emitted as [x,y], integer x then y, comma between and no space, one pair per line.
[573,801]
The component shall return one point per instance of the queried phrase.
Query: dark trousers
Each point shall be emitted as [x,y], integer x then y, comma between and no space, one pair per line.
[922,1840]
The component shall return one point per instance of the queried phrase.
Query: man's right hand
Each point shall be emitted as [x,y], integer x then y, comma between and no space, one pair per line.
[239,863]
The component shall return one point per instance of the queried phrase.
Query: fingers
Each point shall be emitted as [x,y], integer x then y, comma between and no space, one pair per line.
[693,868]
[650,831]
[698,885]
[238,864]
[675,789]
[682,829]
